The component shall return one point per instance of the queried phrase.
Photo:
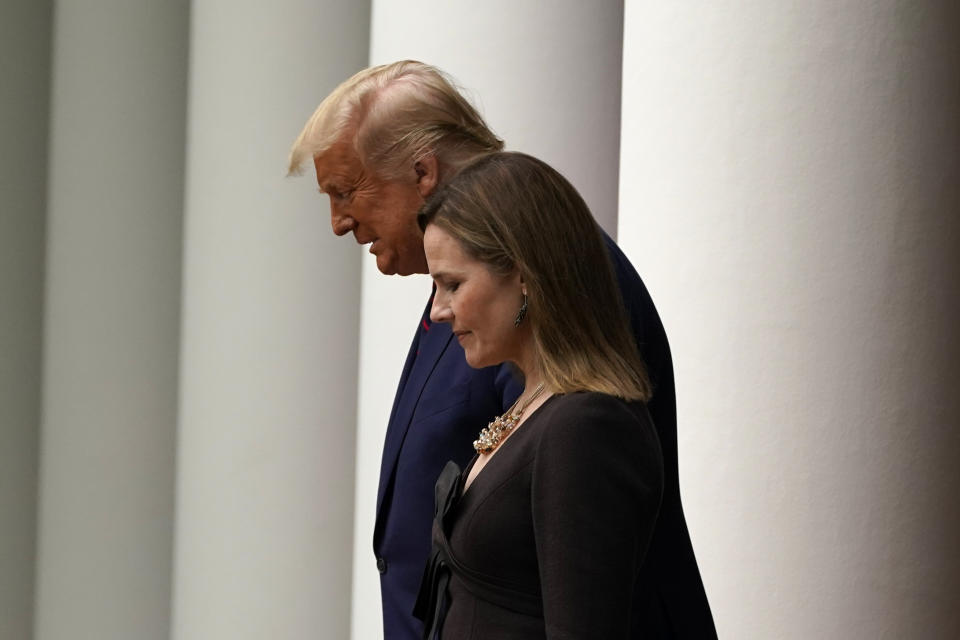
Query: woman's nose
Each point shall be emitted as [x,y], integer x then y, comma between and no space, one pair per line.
[440,310]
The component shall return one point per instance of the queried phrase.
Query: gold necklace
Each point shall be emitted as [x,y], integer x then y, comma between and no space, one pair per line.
[494,433]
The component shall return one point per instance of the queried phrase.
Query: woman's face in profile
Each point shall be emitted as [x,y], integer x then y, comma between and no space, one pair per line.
[480,305]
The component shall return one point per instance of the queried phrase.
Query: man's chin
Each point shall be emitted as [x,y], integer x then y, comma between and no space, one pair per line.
[386,266]
[392,267]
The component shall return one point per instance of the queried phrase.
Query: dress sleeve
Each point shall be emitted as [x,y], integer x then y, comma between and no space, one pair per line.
[596,487]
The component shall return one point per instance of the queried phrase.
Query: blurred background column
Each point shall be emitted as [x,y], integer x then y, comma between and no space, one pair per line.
[270,320]
[546,76]
[25,27]
[112,308]
[790,189]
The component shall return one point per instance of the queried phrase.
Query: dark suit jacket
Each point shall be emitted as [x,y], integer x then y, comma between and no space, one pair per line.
[440,407]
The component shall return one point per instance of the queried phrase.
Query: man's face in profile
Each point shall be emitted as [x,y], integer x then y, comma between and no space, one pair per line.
[382,213]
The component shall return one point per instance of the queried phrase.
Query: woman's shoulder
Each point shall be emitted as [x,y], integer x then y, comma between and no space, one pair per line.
[591,403]
[583,413]
[587,431]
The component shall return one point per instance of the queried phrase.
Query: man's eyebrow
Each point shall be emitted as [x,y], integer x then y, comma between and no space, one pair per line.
[329,187]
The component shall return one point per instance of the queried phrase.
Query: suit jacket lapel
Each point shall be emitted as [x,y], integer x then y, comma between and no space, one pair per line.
[430,343]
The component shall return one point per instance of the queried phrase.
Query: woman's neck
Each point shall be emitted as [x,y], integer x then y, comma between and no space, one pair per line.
[531,377]
[528,364]
[534,391]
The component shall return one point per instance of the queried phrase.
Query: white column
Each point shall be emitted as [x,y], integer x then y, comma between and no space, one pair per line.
[24,116]
[269,347]
[546,76]
[790,189]
[111,320]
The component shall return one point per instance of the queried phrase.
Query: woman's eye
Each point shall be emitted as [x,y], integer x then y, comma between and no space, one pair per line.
[452,286]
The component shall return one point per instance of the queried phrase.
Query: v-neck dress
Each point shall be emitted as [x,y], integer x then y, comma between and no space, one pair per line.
[549,540]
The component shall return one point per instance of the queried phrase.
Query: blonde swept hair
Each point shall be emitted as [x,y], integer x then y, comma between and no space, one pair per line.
[396,115]
[513,211]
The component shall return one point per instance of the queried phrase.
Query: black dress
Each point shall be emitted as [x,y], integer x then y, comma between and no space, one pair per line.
[550,539]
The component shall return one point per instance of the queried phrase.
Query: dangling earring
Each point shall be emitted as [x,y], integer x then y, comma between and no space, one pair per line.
[523,311]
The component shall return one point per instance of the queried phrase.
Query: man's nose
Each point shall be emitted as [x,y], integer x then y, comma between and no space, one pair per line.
[341,223]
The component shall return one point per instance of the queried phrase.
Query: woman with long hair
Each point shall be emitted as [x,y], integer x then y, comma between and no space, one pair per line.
[544,533]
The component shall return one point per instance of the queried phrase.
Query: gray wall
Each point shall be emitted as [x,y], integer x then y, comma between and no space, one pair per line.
[111,336]
[24,114]
[793,181]
[268,374]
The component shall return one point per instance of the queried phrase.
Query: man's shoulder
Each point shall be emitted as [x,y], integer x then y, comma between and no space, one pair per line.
[625,270]
[453,381]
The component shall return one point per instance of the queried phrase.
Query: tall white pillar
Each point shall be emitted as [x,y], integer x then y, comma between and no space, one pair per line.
[790,185]
[24,116]
[546,76]
[269,348]
[111,320]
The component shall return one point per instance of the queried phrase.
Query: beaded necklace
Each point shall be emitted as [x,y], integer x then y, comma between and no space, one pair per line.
[494,433]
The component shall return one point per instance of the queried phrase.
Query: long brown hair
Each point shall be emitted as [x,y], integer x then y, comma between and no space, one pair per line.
[513,211]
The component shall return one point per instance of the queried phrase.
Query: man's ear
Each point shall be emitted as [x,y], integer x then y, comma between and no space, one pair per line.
[428,175]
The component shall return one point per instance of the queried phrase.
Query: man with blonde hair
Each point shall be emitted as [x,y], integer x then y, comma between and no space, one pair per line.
[380,143]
